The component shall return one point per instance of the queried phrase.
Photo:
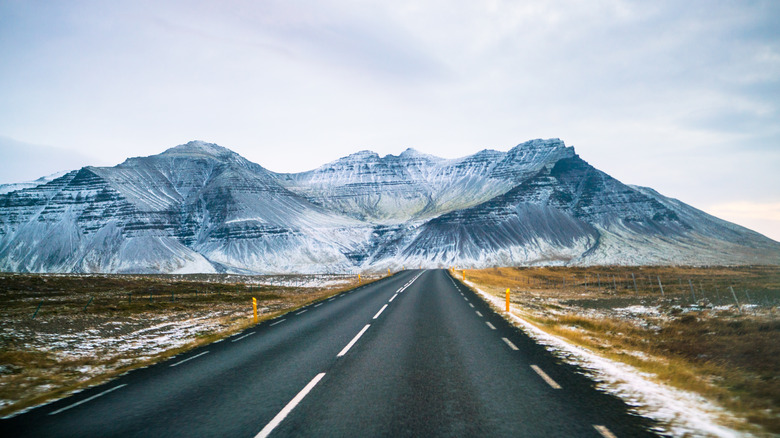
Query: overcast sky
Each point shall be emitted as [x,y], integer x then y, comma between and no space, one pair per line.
[681,96]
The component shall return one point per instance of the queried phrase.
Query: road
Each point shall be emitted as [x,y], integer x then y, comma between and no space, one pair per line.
[415,354]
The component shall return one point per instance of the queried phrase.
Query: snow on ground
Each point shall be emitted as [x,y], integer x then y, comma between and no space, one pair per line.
[679,413]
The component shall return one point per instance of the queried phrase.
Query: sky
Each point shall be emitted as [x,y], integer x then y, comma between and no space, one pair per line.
[683,97]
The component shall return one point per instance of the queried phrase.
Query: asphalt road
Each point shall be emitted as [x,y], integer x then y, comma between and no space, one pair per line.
[415,354]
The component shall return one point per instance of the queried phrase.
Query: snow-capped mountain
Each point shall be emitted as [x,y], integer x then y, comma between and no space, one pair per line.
[200,207]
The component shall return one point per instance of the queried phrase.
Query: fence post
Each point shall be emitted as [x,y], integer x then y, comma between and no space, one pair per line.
[692,292]
[634,278]
[660,285]
[36,310]
[735,299]
[88,302]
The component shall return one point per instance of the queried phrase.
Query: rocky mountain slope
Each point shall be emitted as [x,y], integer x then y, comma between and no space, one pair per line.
[200,207]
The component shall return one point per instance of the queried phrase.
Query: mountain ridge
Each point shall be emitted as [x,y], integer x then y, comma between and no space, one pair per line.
[200,207]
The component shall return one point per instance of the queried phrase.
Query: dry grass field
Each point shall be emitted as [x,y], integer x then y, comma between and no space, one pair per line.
[696,334]
[60,333]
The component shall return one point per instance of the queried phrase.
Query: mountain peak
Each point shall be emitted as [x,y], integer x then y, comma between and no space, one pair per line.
[541,149]
[363,155]
[541,143]
[198,147]
[411,152]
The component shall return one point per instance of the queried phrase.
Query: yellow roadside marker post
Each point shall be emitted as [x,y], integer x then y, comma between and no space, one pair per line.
[388,271]
[254,307]
[358,278]
[507,300]
[464,275]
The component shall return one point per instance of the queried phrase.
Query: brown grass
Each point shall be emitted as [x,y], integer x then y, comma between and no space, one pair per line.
[707,346]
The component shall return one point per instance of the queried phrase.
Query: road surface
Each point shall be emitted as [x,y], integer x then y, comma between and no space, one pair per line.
[415,354]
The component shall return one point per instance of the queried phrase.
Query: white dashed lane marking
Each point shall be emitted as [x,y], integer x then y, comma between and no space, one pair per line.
[88,399]
[290,406]
[278,322]
[492,327]
[242,337]
[545,377]
[189,359]
[352,342]
[380,311]
[511,345]
[606,433]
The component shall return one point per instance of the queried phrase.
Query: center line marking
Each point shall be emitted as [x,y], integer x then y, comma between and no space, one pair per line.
[302,311]
[242,337]
[391,299]
[492,327]
[380,311]
[188,359]
[278,322]
[318,305]
[606,433]
[546,378]
[290,406]
[511,345]
[472,306]
[479,314]
[465,298]
[87,399]
[332,299]
[352,342]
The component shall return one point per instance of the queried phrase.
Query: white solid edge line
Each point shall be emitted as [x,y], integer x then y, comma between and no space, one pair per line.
[290,406]
[87,399]
[380,311]
[242,337]
[352,342]
[606,433]
[278,322]
[546,378]
[188,359]
[479,314]
[391,299]
[511,345]
[492,327]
